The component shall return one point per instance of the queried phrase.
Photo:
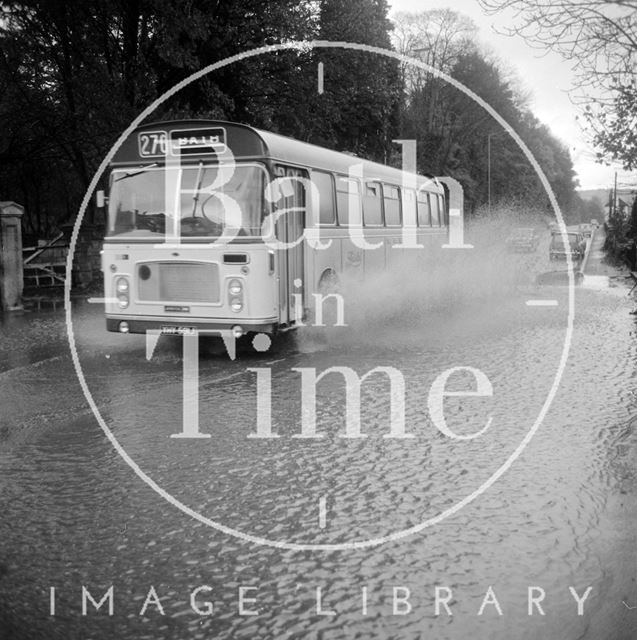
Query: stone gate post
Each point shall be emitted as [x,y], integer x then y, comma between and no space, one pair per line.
[11,277]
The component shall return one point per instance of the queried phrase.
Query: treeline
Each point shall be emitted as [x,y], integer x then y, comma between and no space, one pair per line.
[74,74]
[459,137]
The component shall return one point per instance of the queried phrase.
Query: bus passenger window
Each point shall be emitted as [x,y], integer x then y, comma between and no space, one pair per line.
[443,210]
[372,205]
[348,201]
[409,207]
[325,187]
[391,200]
[435,211]
[424,214]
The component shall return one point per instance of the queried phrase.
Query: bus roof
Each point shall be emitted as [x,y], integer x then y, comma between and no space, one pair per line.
[204,140]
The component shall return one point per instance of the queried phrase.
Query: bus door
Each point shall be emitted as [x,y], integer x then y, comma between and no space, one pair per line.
[290,228]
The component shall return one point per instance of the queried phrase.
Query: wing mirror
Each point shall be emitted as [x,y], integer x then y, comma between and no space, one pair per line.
[100,199]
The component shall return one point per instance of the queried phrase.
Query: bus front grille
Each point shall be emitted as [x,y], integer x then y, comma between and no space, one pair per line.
[178,282]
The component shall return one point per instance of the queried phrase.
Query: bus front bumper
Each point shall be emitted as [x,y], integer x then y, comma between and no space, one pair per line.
[170,326]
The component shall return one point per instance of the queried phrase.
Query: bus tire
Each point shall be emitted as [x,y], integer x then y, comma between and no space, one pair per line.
[262,344]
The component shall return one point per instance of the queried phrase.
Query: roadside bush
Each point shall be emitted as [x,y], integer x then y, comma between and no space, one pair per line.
[619,245]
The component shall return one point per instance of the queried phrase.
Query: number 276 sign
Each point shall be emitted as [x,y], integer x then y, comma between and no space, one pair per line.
[152,143]
[203,141]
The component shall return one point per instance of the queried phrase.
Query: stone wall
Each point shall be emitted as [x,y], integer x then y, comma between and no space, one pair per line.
[11,278]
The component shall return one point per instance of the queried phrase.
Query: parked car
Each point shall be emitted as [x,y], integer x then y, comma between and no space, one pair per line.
[523,240]
[573,243]
[586,230]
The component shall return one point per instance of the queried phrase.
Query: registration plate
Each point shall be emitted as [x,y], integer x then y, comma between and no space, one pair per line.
[178,331]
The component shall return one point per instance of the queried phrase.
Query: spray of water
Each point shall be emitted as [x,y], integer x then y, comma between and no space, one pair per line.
[430,295]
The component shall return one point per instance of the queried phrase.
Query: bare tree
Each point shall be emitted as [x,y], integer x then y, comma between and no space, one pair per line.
[437,37]
[600,37]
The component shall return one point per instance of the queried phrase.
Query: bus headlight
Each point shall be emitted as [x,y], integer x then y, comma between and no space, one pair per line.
[235,294]
[121,285]
[122,288]
[235,287]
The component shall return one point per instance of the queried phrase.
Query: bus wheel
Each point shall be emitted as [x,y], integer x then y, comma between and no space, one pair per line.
[254,343]
[278,343]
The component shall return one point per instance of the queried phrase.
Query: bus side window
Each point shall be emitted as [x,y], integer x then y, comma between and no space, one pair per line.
[372,205]
[391,202]
[409,208]
[435,211]
[348,201]
[424,212]
[324,184]
[444,218]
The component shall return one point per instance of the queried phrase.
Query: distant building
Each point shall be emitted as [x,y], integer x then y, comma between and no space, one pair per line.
[623,204]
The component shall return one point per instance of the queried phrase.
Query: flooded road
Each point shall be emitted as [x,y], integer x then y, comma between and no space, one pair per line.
[558,520]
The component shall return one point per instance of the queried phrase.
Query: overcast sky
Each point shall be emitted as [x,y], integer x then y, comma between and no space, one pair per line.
[546,76]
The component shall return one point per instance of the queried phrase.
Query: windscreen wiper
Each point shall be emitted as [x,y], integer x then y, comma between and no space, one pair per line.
[135,173]
[195,197]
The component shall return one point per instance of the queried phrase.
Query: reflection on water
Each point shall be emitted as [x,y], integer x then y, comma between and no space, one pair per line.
[600,283]
[75,514]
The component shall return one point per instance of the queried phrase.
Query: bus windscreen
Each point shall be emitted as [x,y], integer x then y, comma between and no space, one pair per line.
[212,200]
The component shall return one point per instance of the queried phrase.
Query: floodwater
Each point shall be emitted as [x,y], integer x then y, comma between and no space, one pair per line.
[559,516]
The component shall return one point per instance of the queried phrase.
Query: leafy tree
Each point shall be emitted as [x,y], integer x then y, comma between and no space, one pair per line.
[614,126]
[358,109]
[75,73]
[361,104]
